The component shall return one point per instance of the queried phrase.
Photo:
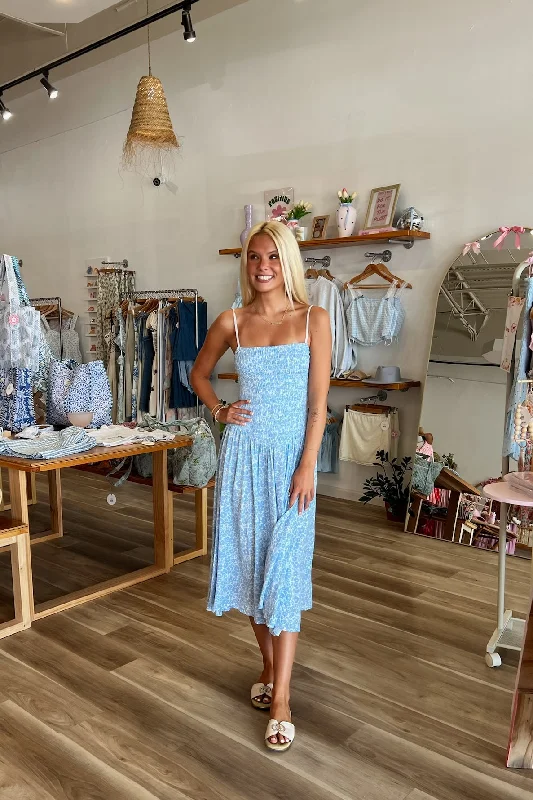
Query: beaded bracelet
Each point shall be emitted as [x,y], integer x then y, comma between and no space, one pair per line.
[216,408]
[217,412]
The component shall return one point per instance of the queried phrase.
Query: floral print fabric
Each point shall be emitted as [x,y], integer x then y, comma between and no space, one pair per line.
[262,550]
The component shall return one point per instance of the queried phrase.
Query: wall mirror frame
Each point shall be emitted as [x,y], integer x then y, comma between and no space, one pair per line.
[469,431]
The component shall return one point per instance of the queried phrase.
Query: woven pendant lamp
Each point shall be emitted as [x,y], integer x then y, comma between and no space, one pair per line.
[150,132]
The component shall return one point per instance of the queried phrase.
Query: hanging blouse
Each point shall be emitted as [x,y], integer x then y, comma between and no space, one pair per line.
[375,320]
[52,338]
[71,340]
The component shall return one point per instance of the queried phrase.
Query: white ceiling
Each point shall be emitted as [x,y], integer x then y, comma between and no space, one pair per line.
[54,11]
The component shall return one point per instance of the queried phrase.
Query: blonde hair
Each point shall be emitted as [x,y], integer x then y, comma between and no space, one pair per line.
[290,259]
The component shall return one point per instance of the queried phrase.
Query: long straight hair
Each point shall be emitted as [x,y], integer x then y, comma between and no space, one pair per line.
[291,263]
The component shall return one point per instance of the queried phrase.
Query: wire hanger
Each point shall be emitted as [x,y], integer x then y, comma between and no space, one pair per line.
[377,268]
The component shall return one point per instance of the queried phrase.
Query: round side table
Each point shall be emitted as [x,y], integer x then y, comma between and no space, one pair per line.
[509,634]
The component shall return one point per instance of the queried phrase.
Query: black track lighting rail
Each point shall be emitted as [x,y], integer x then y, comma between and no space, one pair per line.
[185,5]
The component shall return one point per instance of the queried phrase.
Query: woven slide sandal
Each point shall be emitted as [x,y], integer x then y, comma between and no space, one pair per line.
[286,729]
[259,690]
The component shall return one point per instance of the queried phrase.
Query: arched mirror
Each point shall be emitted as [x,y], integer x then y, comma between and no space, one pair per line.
[468,419]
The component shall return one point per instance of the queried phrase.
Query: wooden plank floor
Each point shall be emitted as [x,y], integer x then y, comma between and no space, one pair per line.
[144,694]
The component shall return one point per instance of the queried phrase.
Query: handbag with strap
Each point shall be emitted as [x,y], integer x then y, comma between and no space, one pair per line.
[19,324]
[78,388]
[188,466]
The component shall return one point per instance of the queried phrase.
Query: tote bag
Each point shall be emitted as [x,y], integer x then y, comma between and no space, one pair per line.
[76,388]
[188,466]
[19,324]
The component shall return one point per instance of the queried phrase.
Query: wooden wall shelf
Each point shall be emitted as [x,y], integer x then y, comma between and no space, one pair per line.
[403,386]
[407,238]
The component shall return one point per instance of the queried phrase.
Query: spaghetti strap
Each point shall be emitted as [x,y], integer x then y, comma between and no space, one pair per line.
[307,325]
[236,328]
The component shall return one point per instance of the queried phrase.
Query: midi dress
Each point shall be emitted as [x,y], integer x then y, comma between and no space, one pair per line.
[262,549]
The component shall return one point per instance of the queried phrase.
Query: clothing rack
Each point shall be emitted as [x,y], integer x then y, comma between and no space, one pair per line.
[509,630]
[171,294]
[37,302]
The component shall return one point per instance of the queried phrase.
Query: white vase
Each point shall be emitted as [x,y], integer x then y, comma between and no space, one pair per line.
[346,217]
[248,211]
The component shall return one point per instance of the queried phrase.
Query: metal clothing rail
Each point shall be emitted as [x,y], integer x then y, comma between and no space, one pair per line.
[165,294]
[123,263]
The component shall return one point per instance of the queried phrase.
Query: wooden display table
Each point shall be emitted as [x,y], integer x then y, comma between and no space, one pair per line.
[19,468]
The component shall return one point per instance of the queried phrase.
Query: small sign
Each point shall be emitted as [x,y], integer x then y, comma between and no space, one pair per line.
[278,202]
[381,207]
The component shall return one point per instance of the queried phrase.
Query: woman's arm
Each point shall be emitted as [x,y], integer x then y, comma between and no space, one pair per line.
[303,482]
[218,340]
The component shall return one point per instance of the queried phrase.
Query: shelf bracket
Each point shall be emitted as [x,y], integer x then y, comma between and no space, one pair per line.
[407,243]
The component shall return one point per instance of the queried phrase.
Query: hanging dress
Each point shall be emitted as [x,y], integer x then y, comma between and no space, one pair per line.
[262,549]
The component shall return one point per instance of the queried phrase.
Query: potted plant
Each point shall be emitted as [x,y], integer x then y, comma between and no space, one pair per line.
[297,213]
[390,484]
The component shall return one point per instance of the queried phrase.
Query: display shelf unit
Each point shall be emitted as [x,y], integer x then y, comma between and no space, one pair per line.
[406,238]
[402,386]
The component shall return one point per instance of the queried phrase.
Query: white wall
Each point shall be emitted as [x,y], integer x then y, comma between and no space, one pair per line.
[311,94]
[466,416]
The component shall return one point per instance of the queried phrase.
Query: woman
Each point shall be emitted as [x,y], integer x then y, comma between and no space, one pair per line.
[263,531]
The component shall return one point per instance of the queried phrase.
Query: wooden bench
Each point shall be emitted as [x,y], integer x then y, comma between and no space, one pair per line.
[16,537]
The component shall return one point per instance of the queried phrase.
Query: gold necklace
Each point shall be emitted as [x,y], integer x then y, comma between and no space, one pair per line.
[275,323]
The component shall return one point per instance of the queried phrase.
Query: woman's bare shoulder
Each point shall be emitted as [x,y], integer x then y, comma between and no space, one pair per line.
[318,316]
[224,322]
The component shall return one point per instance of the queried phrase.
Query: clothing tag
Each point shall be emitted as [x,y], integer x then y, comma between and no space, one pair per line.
[111,499]
[385,425]
[13,319]
[9,389]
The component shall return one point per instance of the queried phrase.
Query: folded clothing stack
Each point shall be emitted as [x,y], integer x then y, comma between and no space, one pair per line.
[56,444]
[119,435]
[521,481]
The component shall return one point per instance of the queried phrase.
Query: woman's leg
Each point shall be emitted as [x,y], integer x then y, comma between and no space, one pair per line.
[284,647]
[264,640]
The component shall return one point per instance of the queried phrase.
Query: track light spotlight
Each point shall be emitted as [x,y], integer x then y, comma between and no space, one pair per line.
[4,110]
[52,91]
[188,31]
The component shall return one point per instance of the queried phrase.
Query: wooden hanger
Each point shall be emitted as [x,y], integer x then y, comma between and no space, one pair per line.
[370,408]
[376,269]
[311,273]
[325,273]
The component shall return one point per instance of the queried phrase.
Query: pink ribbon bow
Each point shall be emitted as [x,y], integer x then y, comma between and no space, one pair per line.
[505,231]
[474,246]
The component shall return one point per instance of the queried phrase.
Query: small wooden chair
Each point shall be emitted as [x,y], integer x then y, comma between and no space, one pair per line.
[17,538]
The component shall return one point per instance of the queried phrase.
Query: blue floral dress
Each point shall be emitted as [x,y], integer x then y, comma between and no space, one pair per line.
[262,549]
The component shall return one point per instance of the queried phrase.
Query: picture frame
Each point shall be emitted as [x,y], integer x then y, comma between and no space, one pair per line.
[319,227]
[278,202]
[381,207]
